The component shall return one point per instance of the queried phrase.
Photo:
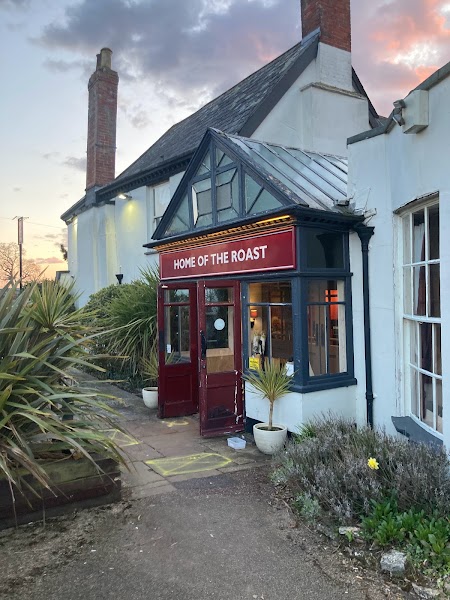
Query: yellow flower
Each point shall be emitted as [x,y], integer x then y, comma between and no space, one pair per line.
[372,463]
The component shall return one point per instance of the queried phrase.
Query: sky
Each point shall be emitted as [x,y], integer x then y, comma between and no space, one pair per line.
[172,57]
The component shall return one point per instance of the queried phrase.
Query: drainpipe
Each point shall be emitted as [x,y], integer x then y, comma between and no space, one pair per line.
[365,233]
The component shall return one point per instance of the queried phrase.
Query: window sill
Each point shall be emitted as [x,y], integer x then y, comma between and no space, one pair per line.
[324,384]
[408,427]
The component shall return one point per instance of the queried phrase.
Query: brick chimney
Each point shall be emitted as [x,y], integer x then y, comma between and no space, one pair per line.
[102,117]
[333,19]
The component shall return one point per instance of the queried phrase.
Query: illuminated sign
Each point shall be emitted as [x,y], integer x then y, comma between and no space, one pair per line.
[266,252]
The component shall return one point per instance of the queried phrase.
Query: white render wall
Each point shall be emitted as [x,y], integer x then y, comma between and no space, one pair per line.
[320,110]
[386,173]
[108,239]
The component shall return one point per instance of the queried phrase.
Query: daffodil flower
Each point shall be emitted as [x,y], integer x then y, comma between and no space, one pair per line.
[372,463]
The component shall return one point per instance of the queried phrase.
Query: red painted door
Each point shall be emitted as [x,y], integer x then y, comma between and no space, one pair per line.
[178,350]
[219,322]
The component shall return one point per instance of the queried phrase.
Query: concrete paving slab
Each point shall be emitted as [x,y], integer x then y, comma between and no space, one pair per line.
[184,465]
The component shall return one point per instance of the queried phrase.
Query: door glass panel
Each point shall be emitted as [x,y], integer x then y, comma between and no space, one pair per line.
[219,339]
[176,296]
[219,295]
[177,333]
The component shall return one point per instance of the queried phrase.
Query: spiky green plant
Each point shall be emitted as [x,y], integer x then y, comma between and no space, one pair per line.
[273,382]
[41,340]
[133,317]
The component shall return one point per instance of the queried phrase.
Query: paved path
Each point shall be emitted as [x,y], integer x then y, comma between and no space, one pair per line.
[187,532]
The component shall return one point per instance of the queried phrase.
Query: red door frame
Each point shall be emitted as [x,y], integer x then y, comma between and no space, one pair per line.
[226,385]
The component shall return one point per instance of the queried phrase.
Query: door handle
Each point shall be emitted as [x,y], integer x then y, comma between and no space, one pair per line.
[203,344]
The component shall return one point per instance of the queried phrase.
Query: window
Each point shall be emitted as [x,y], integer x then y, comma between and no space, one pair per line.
[161,197]
[327,348]
[177,326]
[422,314]
[270,318]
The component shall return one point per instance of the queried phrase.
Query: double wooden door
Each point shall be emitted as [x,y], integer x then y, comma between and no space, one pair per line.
[200,354]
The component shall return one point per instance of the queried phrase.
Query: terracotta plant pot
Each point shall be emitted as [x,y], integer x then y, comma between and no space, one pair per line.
[269,442]
[150,397]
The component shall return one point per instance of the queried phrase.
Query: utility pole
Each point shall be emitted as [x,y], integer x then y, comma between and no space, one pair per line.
[20,242]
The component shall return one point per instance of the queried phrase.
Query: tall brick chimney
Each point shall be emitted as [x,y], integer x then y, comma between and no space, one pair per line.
[333,19]
[102,117]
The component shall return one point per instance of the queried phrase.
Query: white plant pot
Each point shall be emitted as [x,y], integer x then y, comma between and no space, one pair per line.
[150,397]
[269,442]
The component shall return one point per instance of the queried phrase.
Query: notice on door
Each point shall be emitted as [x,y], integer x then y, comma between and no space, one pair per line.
[267,252]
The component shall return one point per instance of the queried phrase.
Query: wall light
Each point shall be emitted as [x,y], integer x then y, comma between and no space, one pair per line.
[124,196]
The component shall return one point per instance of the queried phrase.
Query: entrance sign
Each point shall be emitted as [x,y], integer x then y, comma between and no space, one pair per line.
[266,252]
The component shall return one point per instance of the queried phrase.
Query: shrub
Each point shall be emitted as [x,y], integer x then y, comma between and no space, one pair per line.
[126,316]
[330,462]
[41,339]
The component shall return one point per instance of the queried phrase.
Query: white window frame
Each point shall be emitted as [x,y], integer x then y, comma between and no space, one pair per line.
[412,322]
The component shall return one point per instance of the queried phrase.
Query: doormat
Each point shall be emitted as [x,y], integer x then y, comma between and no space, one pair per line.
[182,465]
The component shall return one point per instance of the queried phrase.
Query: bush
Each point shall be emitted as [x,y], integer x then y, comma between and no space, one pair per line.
[126,314]
[329,461]
[41,339]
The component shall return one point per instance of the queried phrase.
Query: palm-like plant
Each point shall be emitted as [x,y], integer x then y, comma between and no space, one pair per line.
[272,383]
[41,339]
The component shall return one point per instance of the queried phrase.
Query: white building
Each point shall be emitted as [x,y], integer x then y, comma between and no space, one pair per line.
[278,241]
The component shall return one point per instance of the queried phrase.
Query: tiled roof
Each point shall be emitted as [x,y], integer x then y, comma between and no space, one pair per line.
[229,112]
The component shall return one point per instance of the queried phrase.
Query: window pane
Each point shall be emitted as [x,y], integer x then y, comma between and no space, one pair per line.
[282,350]
[330,290]
[227,195]
[426,350]
[420,298]
[317,350]
[265,201]
[337,341]
[201,203]
[219,295]
[180,221]
[177,336]
[439,407]
[437,350]
[418,236]
[434,299]
[413,341]
[252,189]
[205,167]
[426,398]
[176,296]
[222,159]
[433,232]
[324,249]
[415,405]
[407,298]
[219,339]
[276,291]
[406,239]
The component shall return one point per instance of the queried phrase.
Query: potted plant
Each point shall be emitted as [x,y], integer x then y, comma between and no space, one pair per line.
[150,367]
[271,383]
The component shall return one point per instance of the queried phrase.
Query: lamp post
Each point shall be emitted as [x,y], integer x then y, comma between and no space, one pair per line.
[20,242]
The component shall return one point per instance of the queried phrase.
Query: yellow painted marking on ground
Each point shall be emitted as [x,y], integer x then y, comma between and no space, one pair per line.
[175,423]
[182,465]
[122,439]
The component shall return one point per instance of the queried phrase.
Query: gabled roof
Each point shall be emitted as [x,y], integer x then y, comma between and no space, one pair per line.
[308,181]
[239,110]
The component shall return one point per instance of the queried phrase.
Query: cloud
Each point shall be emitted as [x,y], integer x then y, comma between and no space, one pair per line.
[51,260]
[62,66]
[14,4]
[17,189]
[189,52]
[76,163]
